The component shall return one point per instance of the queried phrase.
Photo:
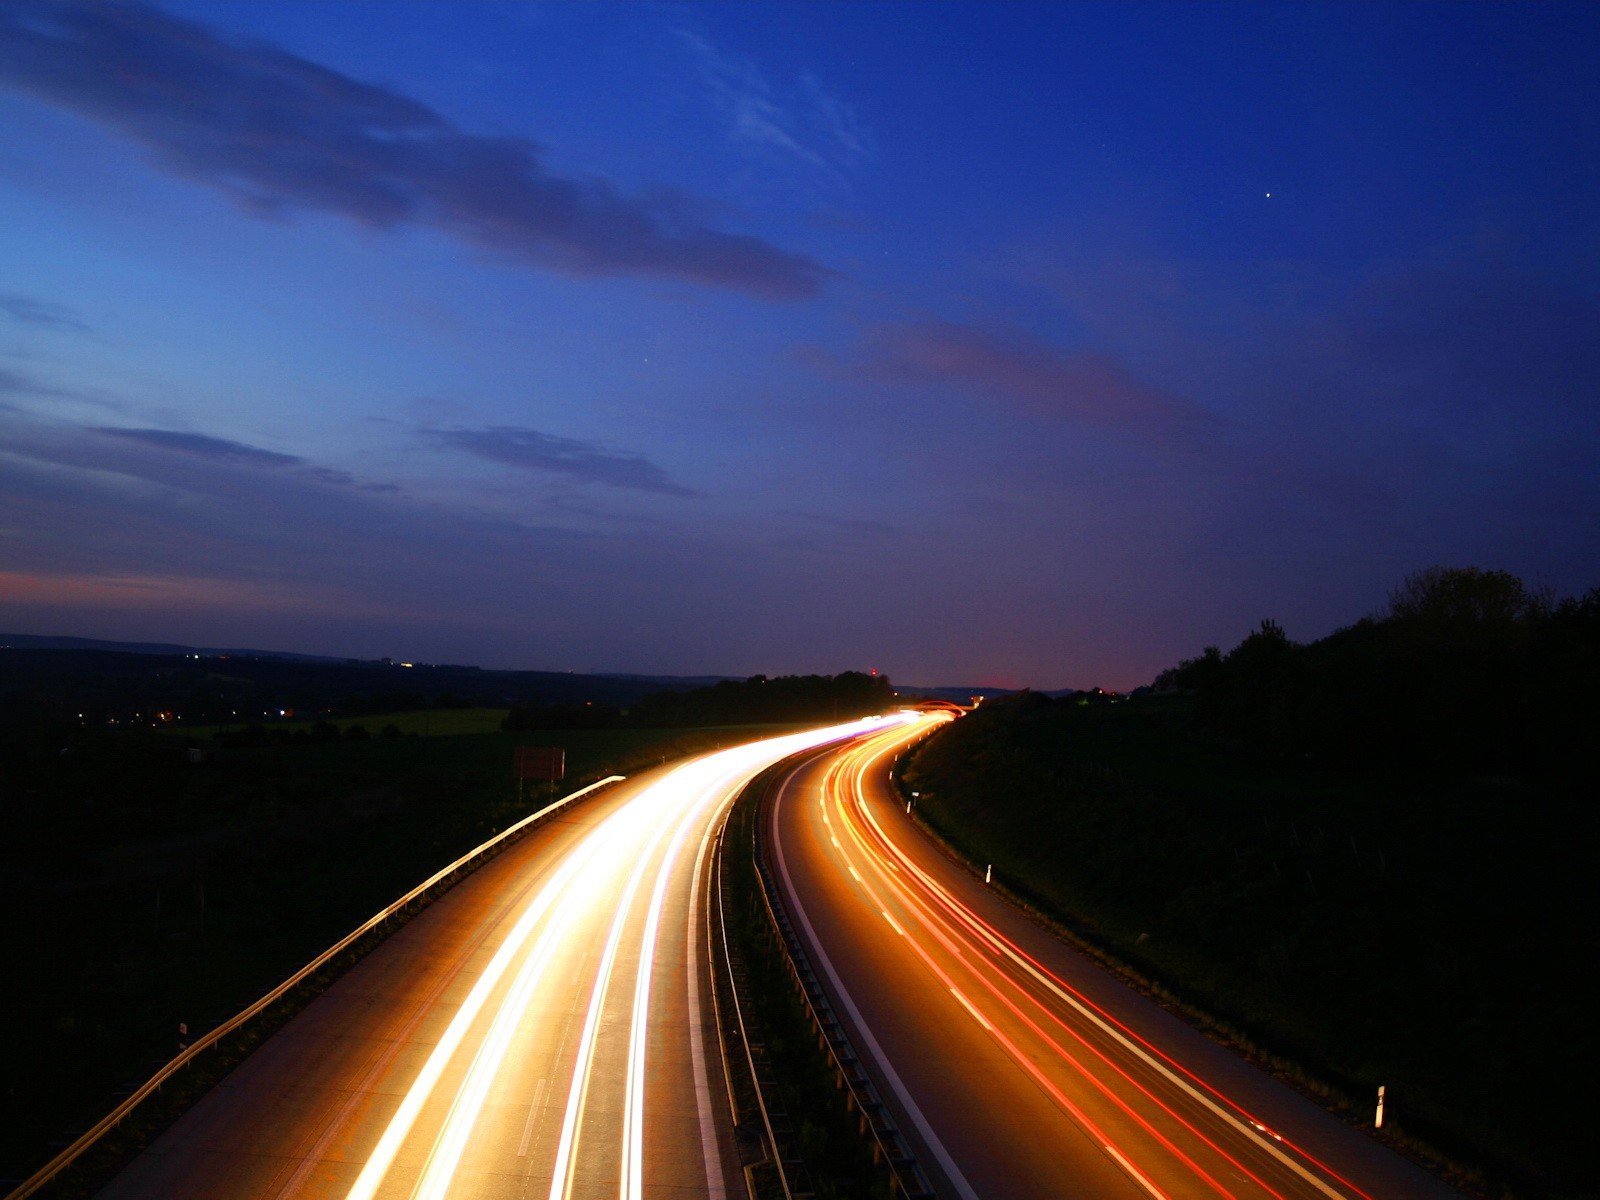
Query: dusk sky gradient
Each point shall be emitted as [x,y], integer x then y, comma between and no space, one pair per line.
[973,343]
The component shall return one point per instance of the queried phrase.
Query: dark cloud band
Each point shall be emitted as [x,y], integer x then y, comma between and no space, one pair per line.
[278,133]
[532,450]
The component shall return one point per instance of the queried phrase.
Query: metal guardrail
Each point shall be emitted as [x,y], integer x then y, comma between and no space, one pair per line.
[875,1122]
[861,1093]
[52,1169]
[773,1123]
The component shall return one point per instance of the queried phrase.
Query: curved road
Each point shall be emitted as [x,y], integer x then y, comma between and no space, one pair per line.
[1021,1068]
[542,1030]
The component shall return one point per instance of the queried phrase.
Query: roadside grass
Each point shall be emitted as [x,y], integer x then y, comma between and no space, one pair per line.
[1429,935]
[138,890]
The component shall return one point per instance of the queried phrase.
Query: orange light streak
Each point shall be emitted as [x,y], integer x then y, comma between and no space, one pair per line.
[1020,1057]
[962,923]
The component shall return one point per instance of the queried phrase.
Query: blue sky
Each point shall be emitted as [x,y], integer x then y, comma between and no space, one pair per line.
[985,343]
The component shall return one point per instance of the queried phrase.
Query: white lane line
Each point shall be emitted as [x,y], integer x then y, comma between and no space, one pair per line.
[632,1187]
[456,1131]
[968,1005]
[527,1129]
[893,924]
[929,1138]
[856,875]
[383,1155]
[1134,1171]
[362,1092]
[975,924]
[716,1184]
[562,1177]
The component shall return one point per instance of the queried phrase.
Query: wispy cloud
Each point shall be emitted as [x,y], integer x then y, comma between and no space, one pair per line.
[531,450]
[27,310]
[201,445]
[16,385]
[136,535]
[1020,371]
[805,124]
[279,134]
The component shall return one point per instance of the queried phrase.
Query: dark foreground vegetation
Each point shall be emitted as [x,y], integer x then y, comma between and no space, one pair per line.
[186,828]
[139,889]
[97,688]
[1374,854]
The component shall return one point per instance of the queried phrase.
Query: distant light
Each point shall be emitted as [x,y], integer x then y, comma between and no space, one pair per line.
[408,664]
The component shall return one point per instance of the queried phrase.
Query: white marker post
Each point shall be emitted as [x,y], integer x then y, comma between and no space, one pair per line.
[988,873]
[1377,1121]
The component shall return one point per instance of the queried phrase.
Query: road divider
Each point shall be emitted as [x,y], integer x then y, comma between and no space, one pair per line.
[874,1122]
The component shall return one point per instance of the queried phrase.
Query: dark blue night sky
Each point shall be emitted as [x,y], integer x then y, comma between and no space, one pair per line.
[997,344]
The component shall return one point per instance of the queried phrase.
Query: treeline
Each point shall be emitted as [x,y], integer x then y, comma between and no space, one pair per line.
[754,701]
[46,694]
[1372,853]
[1466,671]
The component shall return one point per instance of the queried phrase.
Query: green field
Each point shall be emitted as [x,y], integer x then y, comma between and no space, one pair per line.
[433,722]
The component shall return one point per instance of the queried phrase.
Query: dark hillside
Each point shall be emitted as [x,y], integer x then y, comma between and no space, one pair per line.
[1420,916]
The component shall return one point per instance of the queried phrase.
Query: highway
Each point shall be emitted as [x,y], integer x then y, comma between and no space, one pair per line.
[1017,1066]
[542,1030]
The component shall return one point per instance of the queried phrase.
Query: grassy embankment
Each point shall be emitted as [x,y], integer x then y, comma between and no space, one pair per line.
[1373,928]
[138,890]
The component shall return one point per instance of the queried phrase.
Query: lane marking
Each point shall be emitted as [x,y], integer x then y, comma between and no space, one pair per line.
[968,1005]
[1012,1050]
[362,1091]
[527,1128]
[566,1163]
[1109,1026]
[394,1134]
[885,1067]
[473,1092]
[712,793]
[1138,1176]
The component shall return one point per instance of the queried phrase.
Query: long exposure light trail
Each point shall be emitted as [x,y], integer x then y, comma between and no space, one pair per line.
[882,843]
[941,932]
[611,891]
[1167,1130]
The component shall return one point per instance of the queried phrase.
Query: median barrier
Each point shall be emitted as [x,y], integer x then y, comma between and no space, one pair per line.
[874,1121]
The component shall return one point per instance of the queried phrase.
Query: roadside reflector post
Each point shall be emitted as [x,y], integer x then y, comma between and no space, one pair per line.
[1377,1121]
[988,873]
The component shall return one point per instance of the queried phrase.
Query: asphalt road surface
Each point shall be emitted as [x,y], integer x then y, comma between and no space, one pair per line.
[543,1030]
[1019,1067]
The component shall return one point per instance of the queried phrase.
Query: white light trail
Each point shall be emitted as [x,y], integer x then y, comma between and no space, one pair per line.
[583,888]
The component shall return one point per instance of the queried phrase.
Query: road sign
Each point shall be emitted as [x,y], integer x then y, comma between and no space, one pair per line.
[546,764]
